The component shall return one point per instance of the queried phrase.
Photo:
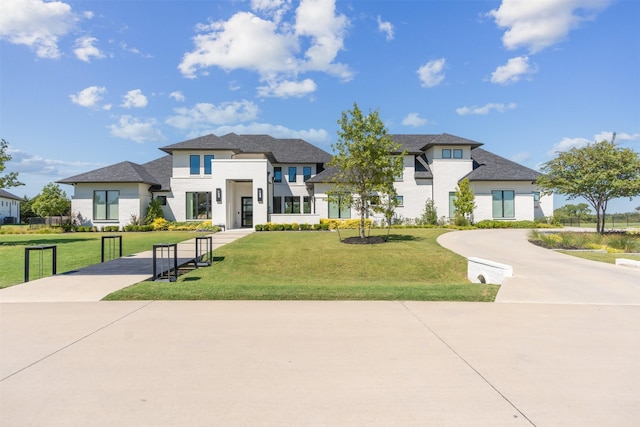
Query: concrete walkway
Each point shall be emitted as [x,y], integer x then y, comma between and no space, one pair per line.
[545,276]
[97,281]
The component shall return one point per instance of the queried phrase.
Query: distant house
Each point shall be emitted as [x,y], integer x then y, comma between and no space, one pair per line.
[9,208]
[242,180]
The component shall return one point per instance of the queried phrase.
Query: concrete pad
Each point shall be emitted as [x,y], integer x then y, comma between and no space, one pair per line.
[202,363]
[561,365]
[544,276]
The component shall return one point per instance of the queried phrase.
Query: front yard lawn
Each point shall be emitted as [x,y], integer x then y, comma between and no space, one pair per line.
[316,266]
[75,250]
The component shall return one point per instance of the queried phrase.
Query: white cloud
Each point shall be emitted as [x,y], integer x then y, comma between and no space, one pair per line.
[386,28]
[432,73]
[129,127]
[567,144]
[414,119]
[178,96]
[512,71]
[272,8]
[36,24]
[620,136]
[485,109]
[521,157]
[204,115]
[539,24]
[270,47]
[33,164]
[134,99]
[286,89]
[85,49]
[89,97]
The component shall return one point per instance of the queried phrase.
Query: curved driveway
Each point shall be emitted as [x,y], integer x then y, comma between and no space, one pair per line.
[545,276]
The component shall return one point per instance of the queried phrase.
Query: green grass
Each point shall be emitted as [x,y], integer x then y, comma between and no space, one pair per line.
[316,266]
[75,250]
[601,257]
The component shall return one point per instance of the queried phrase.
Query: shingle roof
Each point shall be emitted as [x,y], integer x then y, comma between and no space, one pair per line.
[415,144]
[8,195]
[491,167]
[161,170]
[281,150]
[120,172]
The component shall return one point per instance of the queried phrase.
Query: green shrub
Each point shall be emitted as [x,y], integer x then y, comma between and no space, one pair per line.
[488,223]
[110,228]
[305,227]
[258,227]
[295,226]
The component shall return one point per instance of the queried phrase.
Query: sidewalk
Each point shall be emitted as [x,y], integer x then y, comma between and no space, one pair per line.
[94,282]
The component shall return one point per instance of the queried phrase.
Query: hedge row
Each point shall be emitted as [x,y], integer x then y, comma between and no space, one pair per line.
[291,227]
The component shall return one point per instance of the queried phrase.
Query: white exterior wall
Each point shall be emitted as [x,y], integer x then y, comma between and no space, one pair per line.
[446,174]
[297,189]
[134,199]
[239,178]
[414,192]
[9,207]
[524,204]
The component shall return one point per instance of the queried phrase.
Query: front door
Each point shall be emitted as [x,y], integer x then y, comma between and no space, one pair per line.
[247,212]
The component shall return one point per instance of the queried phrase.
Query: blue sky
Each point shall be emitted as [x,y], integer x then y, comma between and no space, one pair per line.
[85,84]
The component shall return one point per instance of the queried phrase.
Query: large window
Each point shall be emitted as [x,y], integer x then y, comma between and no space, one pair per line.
[306,204]
[503,203]
[194,164]
[339,209]
[199,205]
[452,206]
[207,163]
[106,204]
[306,171]
[293,172]
[277,174]
[291,204]
[277,204]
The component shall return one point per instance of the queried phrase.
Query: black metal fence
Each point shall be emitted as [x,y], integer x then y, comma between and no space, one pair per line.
[50,221]
[611,221]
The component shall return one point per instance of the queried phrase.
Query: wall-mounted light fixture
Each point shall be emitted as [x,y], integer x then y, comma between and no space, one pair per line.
[260,195]
[218,194]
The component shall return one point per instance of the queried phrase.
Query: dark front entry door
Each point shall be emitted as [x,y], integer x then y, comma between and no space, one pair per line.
[247,212]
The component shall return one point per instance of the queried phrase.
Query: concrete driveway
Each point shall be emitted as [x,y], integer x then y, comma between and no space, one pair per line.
[237,363]
[545,276]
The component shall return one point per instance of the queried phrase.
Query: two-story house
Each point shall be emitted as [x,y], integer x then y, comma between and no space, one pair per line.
[242,180]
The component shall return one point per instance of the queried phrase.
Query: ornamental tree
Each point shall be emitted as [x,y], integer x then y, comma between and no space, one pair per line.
[366,162]
[464,201]
[11,179]
[51,201]
[599,172]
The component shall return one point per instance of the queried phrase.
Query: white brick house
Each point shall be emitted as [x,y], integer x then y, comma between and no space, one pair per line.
[9,208]
[242,180]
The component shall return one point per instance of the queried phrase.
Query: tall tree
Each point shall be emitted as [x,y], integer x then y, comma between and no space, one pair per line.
[367,162]
[464,201]
[51,201]
[599,172]
[11,179]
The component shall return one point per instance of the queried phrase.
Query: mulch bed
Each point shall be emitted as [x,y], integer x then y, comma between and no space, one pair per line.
[373,240]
